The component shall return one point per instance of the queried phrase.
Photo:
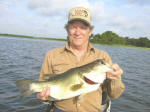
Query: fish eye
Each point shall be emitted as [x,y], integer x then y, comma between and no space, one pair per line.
[102,61]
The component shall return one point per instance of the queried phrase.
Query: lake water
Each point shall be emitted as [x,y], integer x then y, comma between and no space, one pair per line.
[22,59]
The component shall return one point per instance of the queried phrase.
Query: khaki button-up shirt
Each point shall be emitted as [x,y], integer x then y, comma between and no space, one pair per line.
[62,59]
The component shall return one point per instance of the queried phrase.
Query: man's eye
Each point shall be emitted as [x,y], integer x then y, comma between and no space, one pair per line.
[72,27]
[84,28]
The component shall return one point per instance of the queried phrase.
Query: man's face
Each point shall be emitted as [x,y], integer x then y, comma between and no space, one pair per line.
[79,33]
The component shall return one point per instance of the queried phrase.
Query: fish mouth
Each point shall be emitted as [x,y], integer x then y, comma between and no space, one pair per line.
[95,78]
[89,81]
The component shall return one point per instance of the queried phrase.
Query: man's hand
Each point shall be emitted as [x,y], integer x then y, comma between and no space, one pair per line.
[44,94]
[115,73]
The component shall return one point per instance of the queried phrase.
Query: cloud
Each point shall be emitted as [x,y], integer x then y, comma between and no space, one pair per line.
[125,23]
[98,11]
[128,27]
[140,2]
[55,7]
[4,9]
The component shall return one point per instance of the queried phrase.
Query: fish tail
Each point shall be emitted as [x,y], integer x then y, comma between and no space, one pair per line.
[25,87]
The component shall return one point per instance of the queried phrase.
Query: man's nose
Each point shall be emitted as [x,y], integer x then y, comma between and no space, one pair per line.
[77,31]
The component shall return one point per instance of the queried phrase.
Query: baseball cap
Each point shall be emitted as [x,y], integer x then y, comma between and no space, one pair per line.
[80,13]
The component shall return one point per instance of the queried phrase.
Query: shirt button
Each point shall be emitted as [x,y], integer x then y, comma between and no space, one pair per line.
[78,104]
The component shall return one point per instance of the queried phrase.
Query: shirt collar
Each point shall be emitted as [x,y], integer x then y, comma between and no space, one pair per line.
[67,48]
[90,47]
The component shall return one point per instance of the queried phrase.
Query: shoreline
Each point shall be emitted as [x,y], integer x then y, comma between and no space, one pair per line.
[31,37]
[58,39]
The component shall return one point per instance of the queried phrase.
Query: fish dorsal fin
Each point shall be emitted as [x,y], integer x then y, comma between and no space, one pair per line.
[48,77]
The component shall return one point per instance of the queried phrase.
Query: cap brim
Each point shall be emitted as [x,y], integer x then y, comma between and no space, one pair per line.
[79,19]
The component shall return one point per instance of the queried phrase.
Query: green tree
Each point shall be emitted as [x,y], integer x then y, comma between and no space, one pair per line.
[143,42]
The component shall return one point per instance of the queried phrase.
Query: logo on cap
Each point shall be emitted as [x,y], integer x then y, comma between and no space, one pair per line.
[80,12]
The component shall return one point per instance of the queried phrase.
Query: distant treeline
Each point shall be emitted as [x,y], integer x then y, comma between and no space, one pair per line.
[31,37]
[108,37]
[112,38]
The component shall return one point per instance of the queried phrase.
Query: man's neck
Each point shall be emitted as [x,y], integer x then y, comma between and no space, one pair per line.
[79,51]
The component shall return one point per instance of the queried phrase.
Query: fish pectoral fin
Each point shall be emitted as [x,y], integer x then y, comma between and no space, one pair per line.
[81,97]
[76,87]
[51,98]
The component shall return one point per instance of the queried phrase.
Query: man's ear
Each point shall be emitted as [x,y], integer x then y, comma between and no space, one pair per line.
[91,31]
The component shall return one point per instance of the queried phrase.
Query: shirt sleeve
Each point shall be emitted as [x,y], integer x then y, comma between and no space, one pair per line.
[46,67]
[114,88]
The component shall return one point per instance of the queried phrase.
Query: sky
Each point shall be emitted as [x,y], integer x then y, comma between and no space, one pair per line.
[47,18]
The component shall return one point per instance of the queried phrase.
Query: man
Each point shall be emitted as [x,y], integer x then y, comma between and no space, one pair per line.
[77,52]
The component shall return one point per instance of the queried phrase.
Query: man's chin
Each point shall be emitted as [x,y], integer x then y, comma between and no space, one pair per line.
[78,44]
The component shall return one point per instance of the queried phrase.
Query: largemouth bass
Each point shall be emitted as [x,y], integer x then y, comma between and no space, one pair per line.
[74,82]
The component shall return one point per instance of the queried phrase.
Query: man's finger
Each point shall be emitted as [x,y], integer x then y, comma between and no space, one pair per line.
[115,67]
[47,93]
[44,94]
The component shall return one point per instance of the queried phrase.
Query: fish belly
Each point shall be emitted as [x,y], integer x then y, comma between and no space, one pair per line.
[64,93]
